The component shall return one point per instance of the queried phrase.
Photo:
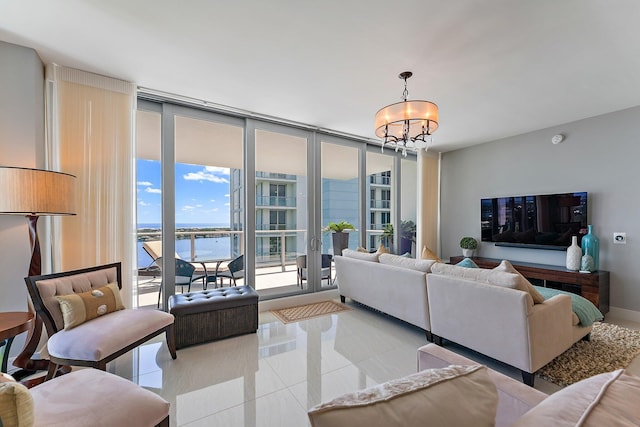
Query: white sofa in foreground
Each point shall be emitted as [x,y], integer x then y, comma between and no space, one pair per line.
[392,284]
[450,390]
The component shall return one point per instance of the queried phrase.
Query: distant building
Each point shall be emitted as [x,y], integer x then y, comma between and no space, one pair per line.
[281,204]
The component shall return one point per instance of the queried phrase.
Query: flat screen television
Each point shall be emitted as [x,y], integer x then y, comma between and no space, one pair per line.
[546,221]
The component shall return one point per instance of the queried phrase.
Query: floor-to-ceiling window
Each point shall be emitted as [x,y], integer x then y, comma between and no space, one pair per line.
[380,204]
[205,174]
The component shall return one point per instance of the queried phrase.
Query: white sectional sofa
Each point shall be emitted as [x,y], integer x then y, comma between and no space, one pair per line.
[486,311]
[489,311]
[392,284]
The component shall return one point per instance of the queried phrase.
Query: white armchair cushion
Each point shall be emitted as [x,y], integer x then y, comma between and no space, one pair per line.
[96,339]
[90,397]
[430,397]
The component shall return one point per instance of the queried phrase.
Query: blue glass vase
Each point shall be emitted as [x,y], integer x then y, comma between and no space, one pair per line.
[591,246]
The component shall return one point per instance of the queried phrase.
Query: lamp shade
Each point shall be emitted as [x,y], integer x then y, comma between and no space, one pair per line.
[36,192]
[421,116]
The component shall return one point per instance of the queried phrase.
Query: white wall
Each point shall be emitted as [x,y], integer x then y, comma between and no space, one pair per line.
[21,144]
[600,155]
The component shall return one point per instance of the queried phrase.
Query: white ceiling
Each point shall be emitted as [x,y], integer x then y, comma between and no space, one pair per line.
[495,68]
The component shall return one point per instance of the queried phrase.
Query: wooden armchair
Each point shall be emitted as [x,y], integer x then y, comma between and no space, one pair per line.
[100,337]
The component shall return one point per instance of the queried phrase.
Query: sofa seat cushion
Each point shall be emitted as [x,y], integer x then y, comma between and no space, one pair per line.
[423,265]
[364,256]
[609,399]
[90,397]
[432,397]
[96,340]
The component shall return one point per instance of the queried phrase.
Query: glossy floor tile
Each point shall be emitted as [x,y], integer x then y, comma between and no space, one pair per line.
[271,378]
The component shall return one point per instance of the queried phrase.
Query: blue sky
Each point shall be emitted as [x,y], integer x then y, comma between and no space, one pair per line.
[202,193]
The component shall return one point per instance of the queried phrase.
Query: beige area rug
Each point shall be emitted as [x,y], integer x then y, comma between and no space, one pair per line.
[611,347]
[294,314]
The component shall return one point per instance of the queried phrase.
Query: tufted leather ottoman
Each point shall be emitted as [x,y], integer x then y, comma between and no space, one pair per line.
[214,314]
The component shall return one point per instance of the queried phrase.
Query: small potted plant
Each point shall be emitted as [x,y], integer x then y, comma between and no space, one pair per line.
[468,245]
[339,235]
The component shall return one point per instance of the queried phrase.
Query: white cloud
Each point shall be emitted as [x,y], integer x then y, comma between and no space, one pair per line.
[188,208]
[145,183]
[226,195]
[209,173]
[153,190]
[143,203]
[227,204]
[212,200]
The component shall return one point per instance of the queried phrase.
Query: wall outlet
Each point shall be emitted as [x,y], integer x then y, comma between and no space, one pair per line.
[619,238]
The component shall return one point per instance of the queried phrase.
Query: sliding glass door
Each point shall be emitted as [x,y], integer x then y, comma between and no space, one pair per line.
[281,210]
[216,188]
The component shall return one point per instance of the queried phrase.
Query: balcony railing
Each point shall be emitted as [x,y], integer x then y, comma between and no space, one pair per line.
[271,175]
[381,180]
[380,204]
[283,258]
[273,201]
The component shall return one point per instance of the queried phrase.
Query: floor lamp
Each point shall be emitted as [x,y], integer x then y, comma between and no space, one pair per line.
[34,193]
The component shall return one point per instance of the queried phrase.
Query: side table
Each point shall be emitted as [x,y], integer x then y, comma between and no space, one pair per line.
[11,324]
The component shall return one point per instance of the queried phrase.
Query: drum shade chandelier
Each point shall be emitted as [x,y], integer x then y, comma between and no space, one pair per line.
[406,124]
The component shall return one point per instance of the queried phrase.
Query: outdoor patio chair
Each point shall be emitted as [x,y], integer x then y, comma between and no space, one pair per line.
[185,275]
[235,270]
[301,266]
[202,269]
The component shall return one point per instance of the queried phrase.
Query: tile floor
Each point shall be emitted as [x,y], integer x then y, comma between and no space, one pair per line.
[273,377]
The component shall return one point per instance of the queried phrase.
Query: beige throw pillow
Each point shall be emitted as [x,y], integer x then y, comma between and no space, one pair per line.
[79,308]
[509,268]
[382,249]
[429,254]
[610,399]
[430,397]
[16,405]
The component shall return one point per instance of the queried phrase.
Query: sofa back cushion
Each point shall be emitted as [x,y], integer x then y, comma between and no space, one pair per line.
[364,256]
[608,399]
[49,289]
[423,265]
[491,277]
[430,397]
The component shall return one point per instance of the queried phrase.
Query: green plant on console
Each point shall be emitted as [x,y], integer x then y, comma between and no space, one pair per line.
[468,243]
[338,227]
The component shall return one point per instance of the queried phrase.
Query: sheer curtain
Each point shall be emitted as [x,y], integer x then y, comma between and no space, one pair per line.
[90,131]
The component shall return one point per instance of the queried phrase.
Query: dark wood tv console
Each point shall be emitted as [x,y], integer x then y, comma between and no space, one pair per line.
[592,286]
